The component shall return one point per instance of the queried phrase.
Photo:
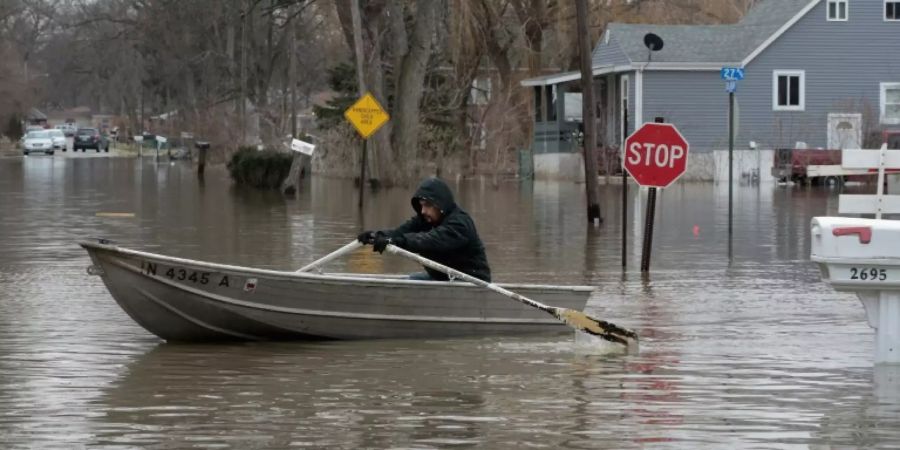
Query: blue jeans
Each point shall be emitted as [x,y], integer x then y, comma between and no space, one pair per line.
[420,276]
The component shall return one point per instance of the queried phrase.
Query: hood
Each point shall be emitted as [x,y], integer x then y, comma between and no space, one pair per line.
[437,192]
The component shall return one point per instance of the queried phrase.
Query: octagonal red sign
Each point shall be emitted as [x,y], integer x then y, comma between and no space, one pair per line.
[656,154]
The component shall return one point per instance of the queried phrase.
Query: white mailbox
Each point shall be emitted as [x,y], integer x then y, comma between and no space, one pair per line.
[863,255]
[857,254]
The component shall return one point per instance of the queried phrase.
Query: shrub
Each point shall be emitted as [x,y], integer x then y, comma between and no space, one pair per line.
[265,169]
[14,129]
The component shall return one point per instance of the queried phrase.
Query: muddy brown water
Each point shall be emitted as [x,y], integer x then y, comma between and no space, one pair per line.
[751,353]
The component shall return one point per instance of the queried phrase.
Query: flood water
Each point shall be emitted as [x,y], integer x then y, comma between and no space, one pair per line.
[755,352]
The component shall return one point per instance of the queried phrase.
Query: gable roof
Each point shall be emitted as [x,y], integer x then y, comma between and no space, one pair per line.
[35,114]
[709,43]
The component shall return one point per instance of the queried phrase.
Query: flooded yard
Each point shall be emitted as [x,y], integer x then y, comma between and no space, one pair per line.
[749,352]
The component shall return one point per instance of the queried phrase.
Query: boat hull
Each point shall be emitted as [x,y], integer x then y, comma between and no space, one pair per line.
[190,301]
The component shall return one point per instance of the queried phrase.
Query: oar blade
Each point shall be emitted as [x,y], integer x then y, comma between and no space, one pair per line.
[601,328]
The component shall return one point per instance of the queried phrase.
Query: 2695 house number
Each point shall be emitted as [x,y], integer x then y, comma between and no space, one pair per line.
[868,274]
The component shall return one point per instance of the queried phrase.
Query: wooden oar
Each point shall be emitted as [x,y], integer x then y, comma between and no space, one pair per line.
[333,255]
[575,319]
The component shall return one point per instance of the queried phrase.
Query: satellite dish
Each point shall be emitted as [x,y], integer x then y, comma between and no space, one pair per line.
[653,42]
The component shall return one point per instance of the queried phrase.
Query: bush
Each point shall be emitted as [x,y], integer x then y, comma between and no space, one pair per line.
[265,169]
[14,129]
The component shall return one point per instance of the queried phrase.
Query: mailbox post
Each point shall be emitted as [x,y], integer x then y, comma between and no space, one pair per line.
[202,147]
[863,255]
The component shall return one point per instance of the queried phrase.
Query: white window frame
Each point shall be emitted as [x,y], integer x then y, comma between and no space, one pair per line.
[896,13]
[789,73]
[837,10]
[883,88]
[480,91]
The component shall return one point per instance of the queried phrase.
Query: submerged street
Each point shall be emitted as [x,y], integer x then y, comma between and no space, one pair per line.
[756,352]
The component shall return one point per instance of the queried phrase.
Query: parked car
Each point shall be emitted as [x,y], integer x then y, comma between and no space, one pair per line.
[37,141]
[59,139]
[87,138]
[68,129]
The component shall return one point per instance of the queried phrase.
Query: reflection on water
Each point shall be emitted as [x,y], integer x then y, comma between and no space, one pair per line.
[756,352]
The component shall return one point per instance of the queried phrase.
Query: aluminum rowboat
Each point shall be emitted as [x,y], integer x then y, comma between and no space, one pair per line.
[183,300]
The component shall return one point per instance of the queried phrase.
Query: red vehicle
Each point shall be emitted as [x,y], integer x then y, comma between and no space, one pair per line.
[791,164]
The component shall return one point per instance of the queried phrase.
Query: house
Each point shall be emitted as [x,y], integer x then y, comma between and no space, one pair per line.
[818,73]
[34,117]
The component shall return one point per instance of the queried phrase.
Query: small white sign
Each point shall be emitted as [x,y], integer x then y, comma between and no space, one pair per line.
[138,139]
[187,135]
[161,139]
[303,147]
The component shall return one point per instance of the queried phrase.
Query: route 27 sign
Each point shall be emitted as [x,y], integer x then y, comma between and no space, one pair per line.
[732,73]
[656,155]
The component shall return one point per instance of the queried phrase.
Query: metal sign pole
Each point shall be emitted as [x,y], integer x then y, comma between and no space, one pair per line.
[731,75]
[362,174]
[730,168]
[624,197]
[648,230]
[624,217]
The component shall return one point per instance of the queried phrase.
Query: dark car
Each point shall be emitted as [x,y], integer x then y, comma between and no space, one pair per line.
[87,138]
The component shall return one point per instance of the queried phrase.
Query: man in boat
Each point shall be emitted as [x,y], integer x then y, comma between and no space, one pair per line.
[440,231]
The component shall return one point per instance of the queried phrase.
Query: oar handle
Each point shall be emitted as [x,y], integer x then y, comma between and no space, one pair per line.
[331,256]
[575,319]
[466,277]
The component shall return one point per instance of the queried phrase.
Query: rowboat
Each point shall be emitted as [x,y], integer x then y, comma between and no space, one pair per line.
[184,300]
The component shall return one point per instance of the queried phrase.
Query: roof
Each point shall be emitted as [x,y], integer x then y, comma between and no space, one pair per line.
[35,114]
[563,77]
[708,43]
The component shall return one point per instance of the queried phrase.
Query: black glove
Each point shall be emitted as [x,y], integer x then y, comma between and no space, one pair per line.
[366,237]
[382,240]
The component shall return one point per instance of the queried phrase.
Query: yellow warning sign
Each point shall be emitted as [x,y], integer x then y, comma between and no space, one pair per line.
[366,115]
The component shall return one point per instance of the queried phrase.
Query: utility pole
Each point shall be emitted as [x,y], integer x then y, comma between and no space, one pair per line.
[587,115]
[292,78]
[361,80]
[243,97]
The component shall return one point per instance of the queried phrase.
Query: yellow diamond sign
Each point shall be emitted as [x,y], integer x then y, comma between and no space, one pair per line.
[366,115]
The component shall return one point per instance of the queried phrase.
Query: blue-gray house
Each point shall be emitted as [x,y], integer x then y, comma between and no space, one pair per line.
[818,73]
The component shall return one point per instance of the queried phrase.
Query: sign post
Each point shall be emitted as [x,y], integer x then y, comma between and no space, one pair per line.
[731,75]
[655,156]
[303,151]
[367,116]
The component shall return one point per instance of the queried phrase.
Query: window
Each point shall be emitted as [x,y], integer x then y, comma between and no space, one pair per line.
[481,91]
[891,10]
[890,103]
[551,103]
[788,90]
[477,135]
[572,106]
[837,10]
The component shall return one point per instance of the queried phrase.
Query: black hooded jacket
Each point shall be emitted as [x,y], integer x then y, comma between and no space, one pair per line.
[453,242]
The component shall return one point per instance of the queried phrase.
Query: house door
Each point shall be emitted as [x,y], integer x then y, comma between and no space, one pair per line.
[844,131]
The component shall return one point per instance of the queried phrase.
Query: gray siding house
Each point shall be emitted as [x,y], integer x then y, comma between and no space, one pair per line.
[818,73]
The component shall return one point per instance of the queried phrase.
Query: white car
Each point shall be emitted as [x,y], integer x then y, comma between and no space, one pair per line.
[37,141]
[59,139]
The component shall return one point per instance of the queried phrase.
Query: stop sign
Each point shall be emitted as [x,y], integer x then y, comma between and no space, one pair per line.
[656,154]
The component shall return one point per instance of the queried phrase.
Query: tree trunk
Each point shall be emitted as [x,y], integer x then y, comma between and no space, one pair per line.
[409,89]
[587,116]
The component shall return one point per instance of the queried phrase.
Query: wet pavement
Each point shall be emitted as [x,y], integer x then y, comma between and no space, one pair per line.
[755,352]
